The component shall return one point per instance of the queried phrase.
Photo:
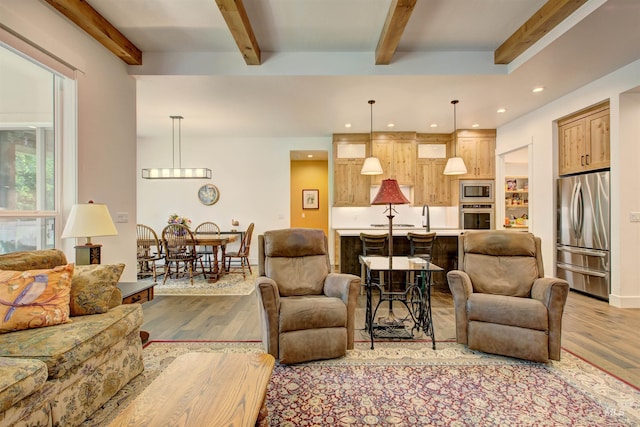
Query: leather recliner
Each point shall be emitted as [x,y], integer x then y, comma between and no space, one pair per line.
[503,303]
[307,312]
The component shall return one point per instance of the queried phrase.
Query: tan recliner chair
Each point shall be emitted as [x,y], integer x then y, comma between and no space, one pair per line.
[307,312]
[503,302]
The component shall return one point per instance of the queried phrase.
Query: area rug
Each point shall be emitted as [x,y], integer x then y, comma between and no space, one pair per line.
[229,284]
[409,384]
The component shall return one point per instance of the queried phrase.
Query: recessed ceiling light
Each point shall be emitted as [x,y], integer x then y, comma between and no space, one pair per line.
[475,125]
[309,156]
[390,125]
[501,110]
[537,89]
[433,125]
[347,125]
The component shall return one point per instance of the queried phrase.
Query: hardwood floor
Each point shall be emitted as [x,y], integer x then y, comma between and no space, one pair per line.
[592,329]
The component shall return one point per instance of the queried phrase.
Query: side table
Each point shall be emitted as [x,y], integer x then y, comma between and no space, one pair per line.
[139,292]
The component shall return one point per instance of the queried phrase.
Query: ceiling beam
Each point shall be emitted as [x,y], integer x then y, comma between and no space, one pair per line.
[87,18]
[552,13]
[238,22]
[397,18]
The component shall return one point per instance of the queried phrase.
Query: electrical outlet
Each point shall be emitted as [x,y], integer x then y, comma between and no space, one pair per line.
[634,217]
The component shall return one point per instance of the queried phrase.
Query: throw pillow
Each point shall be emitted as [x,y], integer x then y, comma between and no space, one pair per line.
[92,287]
[34,298]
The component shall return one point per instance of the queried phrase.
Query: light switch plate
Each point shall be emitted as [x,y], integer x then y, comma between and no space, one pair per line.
[634,217]
[122,217]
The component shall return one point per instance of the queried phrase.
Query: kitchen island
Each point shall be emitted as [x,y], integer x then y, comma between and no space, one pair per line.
[348,247]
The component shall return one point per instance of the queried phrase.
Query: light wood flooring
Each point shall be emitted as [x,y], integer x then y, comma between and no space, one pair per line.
[607,336]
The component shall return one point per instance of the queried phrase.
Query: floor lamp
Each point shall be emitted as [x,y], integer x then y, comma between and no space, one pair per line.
[89,220]
[390,194]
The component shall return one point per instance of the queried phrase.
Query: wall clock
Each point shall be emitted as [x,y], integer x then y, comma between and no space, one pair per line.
[208,194]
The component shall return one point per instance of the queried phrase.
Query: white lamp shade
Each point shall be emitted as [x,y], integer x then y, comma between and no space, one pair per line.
[89,220]
[455,166]
[371,166]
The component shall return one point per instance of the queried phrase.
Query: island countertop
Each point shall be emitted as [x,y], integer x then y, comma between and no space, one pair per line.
[400,231]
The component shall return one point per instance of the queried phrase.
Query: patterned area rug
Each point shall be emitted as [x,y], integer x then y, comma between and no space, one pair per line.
[408,384]
[229,284]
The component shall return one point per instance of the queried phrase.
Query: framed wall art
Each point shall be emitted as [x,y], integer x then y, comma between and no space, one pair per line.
[310,199]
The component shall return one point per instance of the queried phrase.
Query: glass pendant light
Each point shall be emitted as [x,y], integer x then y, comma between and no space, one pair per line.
[371,164]
[455,165]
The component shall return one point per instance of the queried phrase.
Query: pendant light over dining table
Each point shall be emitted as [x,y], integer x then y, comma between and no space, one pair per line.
[455,165]
[176,172]
[371,164]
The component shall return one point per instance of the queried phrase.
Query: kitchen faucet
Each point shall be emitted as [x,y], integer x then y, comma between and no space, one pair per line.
[425,217]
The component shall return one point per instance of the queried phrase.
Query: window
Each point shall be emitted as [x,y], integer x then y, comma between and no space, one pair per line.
[29,147]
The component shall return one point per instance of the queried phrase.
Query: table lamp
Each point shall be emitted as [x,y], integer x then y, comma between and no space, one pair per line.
[89,220]
[390,194]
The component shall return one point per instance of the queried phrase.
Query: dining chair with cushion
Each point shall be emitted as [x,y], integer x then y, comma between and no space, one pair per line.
[242,254]
[503,302]
[306,311]
[149,251]
[207,252]
[180,251]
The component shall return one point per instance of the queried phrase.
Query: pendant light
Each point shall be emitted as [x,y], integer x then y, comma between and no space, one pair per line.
[371,164]
[176,172]
[455,165]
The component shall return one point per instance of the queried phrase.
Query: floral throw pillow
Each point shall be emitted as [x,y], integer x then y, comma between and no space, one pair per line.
[92,287]
[34,298]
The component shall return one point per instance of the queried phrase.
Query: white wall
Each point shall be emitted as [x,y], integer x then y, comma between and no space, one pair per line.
[106,119]
[538,128]
[252,176]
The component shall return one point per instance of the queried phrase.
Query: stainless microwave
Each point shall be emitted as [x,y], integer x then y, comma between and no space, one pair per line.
[476,191]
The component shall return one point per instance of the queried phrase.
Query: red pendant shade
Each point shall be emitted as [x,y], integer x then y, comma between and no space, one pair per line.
[390,193]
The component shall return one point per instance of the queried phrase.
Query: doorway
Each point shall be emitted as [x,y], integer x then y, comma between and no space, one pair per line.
[309,173]
[515,205]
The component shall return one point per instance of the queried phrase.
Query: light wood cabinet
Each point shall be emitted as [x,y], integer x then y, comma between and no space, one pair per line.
[477,148]
[397,154]
[350,188]
[584,141]
[432,187]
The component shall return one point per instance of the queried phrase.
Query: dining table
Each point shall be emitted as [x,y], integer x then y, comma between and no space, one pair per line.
[215,241]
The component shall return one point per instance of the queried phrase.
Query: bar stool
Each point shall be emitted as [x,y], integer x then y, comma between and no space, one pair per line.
[420,246]
[376,245]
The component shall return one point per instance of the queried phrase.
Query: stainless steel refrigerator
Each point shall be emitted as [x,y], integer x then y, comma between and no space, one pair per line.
[583,233]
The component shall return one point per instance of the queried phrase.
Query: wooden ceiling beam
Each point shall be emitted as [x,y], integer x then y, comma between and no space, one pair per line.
[238,22]
[87,18]
[397,18]
[552,13]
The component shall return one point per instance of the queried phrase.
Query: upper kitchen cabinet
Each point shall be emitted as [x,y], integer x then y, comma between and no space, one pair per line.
[432,186]
[350,188]
[397,154]
[477,148]
[583,140]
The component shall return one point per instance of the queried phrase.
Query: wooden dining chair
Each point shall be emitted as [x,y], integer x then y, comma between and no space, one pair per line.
[180,251]
[207,252]
[149,251]
[242,255]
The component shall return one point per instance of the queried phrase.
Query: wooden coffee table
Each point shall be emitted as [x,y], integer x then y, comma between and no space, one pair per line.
[204,389]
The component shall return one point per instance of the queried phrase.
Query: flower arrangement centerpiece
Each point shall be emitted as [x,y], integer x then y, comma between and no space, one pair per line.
[183,220]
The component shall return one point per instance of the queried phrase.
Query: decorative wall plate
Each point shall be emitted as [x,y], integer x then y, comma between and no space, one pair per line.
[208,194]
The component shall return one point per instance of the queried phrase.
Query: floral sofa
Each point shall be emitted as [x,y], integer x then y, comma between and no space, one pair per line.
[77,347]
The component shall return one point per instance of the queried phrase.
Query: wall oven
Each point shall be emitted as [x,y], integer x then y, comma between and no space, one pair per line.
[477,216]
[476,191]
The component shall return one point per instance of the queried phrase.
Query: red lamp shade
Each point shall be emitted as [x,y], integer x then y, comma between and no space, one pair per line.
[390,193]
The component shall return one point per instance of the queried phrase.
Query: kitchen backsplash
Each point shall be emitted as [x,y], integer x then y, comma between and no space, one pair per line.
[364,217]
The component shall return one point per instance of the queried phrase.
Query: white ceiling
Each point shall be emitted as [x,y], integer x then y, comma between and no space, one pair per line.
[318,69]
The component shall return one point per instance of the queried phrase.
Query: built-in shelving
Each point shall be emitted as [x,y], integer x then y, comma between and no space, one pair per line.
[516,202]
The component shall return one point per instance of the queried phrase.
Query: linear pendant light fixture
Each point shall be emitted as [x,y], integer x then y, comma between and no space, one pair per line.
[176,172]
[455,165]
[371,164]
